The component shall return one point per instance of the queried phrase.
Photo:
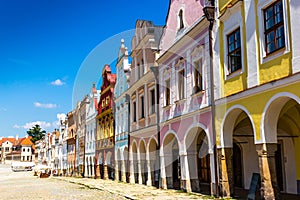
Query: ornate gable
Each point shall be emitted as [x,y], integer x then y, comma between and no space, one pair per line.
[181,16]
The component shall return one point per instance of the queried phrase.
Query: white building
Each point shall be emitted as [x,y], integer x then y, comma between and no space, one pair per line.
[91,113]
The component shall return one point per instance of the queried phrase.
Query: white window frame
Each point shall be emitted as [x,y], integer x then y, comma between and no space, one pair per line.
[141,106]
[233,20]
[198,54]
[181,65]
[263,4]
[150,100]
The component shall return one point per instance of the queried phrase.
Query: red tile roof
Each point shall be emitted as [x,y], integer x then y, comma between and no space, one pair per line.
[11,140]
[26,142]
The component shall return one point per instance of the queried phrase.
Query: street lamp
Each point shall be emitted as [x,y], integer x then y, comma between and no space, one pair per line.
[156,72]
[209,12]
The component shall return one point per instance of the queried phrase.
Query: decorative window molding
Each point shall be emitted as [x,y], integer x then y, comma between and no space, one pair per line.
[198,71]
[167,93]
[233,20]
[152,101]
[234,51]
[264,56]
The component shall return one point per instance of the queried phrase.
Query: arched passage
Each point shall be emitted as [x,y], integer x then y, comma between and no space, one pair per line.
[135,162]
[239,156]
[143,162]
[91,167]
[197,147]
[281,125]
[125,169]
[119,165]
[172,161]
[87,167]
[100,163]
[154,162]
[109,165]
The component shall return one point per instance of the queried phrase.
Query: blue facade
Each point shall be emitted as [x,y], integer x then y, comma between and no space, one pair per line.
[121,106]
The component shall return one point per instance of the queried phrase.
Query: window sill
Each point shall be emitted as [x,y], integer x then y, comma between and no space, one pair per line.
[234,74]
[142,119]
[197,94]
[274,54]
[167,107]
[180,101]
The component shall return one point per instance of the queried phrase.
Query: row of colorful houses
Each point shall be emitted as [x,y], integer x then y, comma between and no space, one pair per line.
[203,102]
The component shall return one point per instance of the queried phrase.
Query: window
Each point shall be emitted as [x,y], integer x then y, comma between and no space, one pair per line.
[181,91]
[134,111]
[167,94]
[6,149]
[142,68]
[28,158]
[234,51]
[142,107]
[197,76]
[107,100]
[274,27]
[28,149]
[138,71]
[152,103]
[180,17]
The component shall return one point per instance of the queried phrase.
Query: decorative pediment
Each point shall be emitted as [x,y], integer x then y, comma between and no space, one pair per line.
[197,52]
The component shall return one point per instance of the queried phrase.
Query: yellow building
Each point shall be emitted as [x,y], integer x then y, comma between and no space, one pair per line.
[105,126]
[256,59]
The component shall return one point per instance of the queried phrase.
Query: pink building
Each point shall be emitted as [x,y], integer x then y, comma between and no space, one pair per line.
[186,153]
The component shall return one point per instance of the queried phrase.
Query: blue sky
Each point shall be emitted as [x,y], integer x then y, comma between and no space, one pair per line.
[51,51]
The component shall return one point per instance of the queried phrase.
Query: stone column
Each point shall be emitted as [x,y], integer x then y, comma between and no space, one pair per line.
[149,180]
[163,173]
[131,170]
[123,171]
[140,172]
[86,174]
[226,172]
[97,171]
[267,166]
[93,170]
[105,172]
[185,182]
[116,170]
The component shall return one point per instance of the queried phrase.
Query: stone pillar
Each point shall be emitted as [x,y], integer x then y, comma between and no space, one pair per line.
[131,176]
[92,170]
[86,174]
[97,171]
[116,170]
[140,172]
[105,172]
[267,166]
[149,180]
[226,172]
[123,171]
[163,173]
[185,183]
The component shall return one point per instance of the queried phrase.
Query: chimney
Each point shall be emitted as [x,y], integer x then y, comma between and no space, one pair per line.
[17,137]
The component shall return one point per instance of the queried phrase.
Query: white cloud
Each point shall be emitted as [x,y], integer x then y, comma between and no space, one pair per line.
[61,116]
[57,82]
[17,126]
[46,105]
[43,125]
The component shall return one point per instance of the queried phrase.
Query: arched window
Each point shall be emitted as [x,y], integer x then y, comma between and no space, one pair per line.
[180,18]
